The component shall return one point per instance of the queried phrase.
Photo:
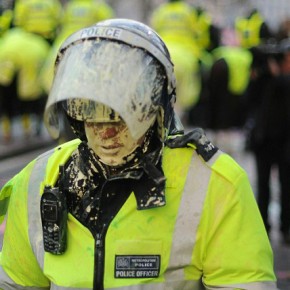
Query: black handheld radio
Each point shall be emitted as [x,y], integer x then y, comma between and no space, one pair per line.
[53,210]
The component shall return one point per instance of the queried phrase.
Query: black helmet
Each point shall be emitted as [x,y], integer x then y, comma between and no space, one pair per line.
[118,63]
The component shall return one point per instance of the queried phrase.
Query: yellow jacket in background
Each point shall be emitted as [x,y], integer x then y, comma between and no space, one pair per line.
[174,20]
[81,13]
[175,23]
[202,26]
[38,16]
[239,61]
[248,30]
[5,20]
[23,54]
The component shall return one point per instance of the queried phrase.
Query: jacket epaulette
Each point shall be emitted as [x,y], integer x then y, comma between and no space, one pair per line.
[196,138]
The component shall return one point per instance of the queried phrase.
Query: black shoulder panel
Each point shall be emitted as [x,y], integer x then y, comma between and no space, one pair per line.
[196,137]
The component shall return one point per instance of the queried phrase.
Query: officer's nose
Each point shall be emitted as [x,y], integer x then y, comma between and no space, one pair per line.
[109,132]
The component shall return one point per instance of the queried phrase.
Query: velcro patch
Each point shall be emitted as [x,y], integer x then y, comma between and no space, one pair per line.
[137,266]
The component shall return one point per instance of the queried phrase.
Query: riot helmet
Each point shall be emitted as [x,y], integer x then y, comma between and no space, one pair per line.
[118,63]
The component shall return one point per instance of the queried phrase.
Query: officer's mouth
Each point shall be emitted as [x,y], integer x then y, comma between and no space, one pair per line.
[111,148]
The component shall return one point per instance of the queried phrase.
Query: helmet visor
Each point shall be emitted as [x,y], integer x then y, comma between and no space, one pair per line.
[89,111]
[126,79]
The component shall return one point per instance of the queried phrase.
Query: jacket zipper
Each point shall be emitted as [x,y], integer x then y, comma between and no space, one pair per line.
[99,258]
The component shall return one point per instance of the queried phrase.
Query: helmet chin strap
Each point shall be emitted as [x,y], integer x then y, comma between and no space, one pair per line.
[176,127]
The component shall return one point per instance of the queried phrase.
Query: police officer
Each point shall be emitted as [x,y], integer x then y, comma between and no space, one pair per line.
[228,81]
[6,15]
[82,13]
[207,34]
[252,30]
[23,50]
[133,203]
[6,106]
[268,118]
[175,22]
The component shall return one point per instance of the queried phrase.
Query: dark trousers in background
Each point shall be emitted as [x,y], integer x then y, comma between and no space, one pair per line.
[268,156]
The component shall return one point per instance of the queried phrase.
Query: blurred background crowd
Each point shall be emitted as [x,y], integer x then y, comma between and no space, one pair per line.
[232,63]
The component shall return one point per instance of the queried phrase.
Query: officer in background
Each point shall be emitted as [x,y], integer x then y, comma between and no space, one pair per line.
[268,120]
[6,15]
[207,34]
[133,203]
[175,22]
[228,80]
[252,30]
[23,50]
[82,13]
[6,104]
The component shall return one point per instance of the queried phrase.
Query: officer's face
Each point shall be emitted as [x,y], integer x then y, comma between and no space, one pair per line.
[111,141]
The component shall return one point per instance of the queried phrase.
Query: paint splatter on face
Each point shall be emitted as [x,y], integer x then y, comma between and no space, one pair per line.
[111,141]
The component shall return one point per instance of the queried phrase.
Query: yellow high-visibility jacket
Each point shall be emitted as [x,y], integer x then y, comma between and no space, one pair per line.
[209,232]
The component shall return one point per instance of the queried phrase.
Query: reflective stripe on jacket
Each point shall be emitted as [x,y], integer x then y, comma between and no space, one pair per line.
[208,233]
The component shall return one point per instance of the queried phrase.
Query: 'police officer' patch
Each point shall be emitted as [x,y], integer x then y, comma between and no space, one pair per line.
[135,266]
